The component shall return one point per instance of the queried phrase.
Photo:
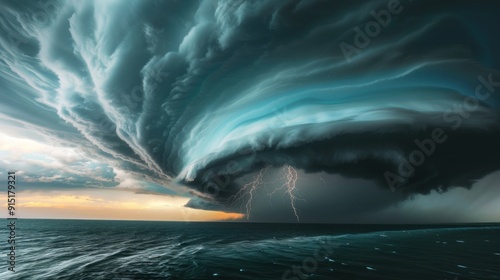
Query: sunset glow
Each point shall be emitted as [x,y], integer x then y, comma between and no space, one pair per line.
[112,205]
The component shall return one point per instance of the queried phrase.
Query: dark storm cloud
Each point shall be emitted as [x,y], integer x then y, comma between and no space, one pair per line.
[208,93]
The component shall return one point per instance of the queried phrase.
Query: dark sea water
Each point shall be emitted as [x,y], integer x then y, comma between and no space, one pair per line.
[80,249]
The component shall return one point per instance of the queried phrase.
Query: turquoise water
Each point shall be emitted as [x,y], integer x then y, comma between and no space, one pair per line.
[83,249]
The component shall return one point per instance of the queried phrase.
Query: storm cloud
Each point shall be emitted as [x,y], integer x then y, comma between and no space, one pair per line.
[395,97]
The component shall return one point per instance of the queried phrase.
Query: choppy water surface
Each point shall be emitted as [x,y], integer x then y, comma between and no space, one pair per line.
[79,249]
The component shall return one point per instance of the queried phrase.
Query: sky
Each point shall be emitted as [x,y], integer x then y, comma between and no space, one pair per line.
[378,111]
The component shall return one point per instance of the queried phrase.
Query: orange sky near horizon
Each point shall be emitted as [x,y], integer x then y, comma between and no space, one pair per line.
[109,204]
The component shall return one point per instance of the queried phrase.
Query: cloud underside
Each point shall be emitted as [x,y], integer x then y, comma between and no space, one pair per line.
[204,94]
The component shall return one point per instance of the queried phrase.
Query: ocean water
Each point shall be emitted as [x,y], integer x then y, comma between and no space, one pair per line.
[84,249]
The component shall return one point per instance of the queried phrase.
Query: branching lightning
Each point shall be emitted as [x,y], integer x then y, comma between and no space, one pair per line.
[322,179]
[290,177]
[291,187]
[249,189]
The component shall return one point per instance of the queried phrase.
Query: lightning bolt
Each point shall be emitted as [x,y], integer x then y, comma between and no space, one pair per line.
[289,186]
[291,180]
[290,177]
[322,179]
[249,190]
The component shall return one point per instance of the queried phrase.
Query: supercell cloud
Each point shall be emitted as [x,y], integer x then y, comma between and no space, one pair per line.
[207,94]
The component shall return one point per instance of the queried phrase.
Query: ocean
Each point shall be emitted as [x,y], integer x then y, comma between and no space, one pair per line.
[89,249]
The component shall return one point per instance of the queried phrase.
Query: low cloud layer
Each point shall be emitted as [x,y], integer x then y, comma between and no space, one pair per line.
[396,98]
